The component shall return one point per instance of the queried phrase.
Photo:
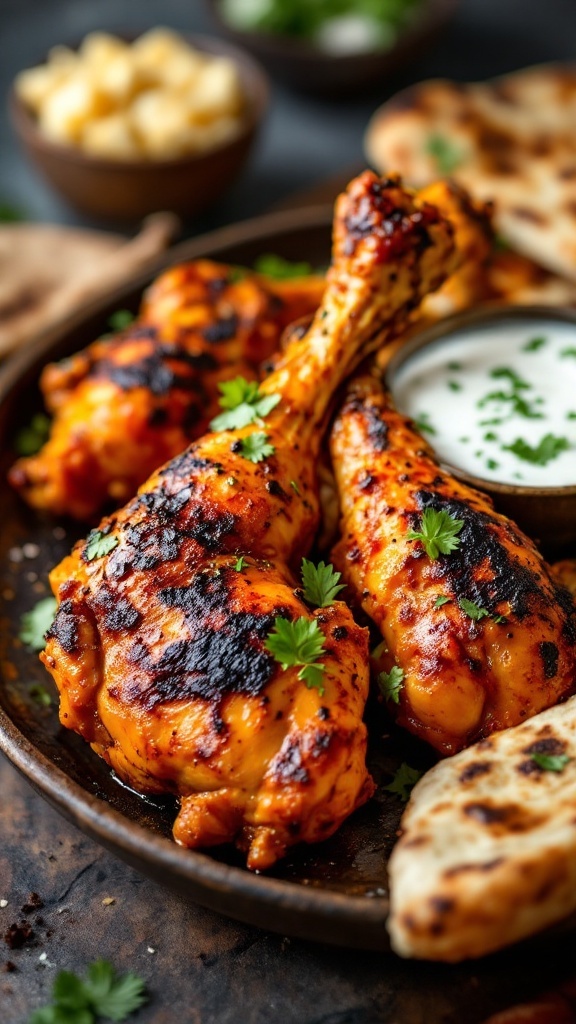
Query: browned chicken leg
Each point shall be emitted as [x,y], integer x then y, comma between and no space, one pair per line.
[128,403]
[482,637]
[161,644]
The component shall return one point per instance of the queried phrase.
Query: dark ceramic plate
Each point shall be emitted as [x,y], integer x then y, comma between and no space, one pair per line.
[334,892]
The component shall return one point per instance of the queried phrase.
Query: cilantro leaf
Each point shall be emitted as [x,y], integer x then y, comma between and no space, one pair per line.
[548,448]
[240,564]
[437,532]
[441,600]
[30,439]
[120,319]
[35,623]
[99,544]
[404,781]
[390,683]
[568,352]
[298,643]
[422,423]
[103,994]
[534,345]
[244,404]
[472,610]
[40,696]
[111,996]
[551,762]
[447,156]
[320,583]
[256,447]
[280,269]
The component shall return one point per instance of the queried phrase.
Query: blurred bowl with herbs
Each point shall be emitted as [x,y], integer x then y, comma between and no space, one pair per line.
[333,47]
[122,128]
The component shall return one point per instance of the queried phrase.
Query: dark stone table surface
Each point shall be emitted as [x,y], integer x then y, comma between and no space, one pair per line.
[200,968]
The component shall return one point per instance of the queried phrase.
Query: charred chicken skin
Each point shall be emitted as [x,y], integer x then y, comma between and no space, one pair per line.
[483,635]
[129,403]
[159,646]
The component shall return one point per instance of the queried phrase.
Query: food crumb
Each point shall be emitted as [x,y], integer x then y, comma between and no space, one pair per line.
[32,903]
[43,957]
[8,967]
[18,934]
[151,949]
[3,903]
[108,901]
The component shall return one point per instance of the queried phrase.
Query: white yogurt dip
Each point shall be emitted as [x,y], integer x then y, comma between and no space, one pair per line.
[498,400]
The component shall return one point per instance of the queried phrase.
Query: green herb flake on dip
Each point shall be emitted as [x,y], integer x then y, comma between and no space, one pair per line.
[525,390]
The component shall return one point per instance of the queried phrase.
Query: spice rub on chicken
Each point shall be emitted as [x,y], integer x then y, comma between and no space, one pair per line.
[128,403]
[480,634]
[183,648]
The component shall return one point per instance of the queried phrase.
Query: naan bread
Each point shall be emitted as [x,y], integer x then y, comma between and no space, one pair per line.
[47,271]
[511,140]
[487,854]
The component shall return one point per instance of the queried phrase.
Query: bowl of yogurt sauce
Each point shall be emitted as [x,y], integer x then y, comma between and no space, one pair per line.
[494,392]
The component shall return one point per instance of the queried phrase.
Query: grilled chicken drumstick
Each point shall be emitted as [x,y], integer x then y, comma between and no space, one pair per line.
[160,646]
[483,636]
[128,403]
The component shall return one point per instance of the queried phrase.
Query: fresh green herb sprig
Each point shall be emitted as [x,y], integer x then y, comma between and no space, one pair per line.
[120,319]
[240,564]
[256,447]
[422,424]
[35,623]
[405,778]
[31,439]
[548,448]
[391,683]
[243,404]
[472,610]
[320,583]
[103,994]
[445,153]
[99,544]
[438,532]
[534,344]
[279,269]
[299,643]
[551,762]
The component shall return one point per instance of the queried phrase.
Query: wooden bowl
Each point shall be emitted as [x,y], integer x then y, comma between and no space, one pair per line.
[546,514]
[128,190]
[307,68]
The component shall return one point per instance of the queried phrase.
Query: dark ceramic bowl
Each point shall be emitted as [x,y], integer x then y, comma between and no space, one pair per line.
[309,69]
[130,189]
[547,514]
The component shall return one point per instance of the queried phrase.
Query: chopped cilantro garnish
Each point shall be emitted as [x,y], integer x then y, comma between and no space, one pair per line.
[299,643]
[40,696]
[422,423]
[437,532]
[534,345]
[403,782]
[120,320]
[243,404]
[99,544]
[548,448]
[446,155]
[551,762]
[280,269]
[390,683]
[507,373]
[240,564]
[455,366]
[35,623]
[294,487]
[30,439]
[103,994]
[256,447]
[568,352]
[490,436]
[571,415]
[492,464]
[454,385]
[320,583]
[472,610]
[441,600]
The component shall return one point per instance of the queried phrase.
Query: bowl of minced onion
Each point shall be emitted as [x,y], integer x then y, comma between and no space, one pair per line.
[333,47]
[494,392]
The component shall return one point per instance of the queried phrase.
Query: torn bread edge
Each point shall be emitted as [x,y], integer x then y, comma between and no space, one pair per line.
[487,854]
